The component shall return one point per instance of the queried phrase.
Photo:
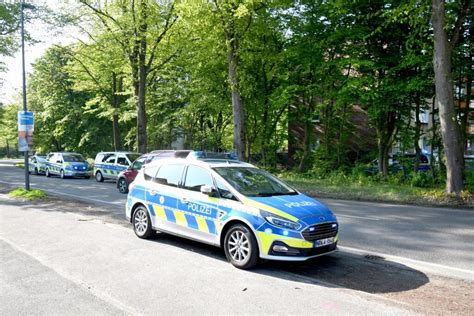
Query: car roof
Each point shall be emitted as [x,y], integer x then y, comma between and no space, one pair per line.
[207,163]
[117,152]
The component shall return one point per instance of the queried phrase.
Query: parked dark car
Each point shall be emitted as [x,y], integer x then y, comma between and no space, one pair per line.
[401,163]
[128,175]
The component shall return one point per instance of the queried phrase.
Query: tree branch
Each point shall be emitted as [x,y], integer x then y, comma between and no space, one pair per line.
[459,22]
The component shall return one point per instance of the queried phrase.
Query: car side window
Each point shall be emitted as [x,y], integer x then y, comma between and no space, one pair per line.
[170,174]
[122,161]
[150,173]
[197,177]
[111,159]
[224,192]
[52,158]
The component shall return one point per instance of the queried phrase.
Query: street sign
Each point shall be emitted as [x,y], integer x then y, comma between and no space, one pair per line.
[25,130]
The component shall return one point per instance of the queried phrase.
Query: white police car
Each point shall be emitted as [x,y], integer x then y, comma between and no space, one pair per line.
[233,205]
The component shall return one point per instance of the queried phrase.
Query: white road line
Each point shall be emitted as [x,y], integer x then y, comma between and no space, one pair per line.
[360,217]
[422,265]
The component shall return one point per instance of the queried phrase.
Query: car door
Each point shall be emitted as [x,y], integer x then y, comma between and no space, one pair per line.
[121,164]
[162,196]
[199,211]
[55,164]
[109,166]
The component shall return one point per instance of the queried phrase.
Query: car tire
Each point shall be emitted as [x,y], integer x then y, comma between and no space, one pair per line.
[36,172]
[240,247]
[122,185]
[142,223]
[47,173]
[62,175]
[99,177]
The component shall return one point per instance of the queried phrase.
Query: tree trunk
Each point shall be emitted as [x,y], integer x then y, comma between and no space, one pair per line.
[450,132]
[117,87]
[433,138]
[8,149]
[465,111]
[303,166]
[385,136]
[237,104]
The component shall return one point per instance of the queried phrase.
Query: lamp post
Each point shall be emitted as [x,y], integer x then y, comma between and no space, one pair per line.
[27,174]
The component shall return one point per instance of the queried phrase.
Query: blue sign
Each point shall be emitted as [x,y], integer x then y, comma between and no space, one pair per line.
[25,130]
[25,118]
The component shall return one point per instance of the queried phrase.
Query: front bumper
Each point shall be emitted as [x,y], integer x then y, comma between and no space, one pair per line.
[301,254]
[77,173]
[298,249]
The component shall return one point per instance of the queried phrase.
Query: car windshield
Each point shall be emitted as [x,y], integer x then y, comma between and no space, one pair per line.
[254,182]
[73,158]
[137,164]
[133,157]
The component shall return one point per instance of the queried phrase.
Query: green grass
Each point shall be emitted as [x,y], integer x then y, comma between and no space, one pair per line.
[20,165]
[33,194]
[364,188]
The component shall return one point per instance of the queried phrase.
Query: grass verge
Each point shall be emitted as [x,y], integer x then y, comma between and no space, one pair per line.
[33,194]
[366,189]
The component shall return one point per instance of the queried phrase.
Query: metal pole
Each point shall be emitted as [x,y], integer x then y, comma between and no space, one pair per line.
[27,174]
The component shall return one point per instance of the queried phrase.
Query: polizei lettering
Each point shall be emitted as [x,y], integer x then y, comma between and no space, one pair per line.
[200,208]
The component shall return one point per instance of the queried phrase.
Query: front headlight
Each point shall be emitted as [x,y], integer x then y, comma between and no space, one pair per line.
[279,221]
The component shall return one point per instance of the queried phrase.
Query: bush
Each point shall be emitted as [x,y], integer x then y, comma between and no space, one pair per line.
[422,180]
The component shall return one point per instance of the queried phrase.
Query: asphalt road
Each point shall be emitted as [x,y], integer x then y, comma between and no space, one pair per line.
[433,238]
[59,262]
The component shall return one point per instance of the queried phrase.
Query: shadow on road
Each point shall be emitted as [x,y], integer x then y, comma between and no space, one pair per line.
[362,273]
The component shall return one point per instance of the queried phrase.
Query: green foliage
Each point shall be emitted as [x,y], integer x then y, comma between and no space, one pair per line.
[32,194]
[298,63]
[62,121]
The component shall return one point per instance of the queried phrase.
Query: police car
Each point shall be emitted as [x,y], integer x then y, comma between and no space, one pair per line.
[67,164]
[37,164]
[233,205]
[108,165]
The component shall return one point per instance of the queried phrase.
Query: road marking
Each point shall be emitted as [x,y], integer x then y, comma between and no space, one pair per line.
[360,217]
[436,268]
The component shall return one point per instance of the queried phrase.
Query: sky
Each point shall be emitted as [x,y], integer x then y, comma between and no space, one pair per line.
[12,86]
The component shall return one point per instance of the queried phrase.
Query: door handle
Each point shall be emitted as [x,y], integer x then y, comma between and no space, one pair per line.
[184,200]
[153,192]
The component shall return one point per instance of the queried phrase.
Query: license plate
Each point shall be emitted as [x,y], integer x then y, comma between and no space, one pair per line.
[323,242]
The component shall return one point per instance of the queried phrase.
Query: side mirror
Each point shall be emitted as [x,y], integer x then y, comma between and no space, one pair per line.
[207,190]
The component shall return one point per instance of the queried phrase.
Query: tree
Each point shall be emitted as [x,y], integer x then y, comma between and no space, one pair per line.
[61,120]
[450,130]
[140,28]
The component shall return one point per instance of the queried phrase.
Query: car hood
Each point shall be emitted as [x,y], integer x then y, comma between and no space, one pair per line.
[299,206]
